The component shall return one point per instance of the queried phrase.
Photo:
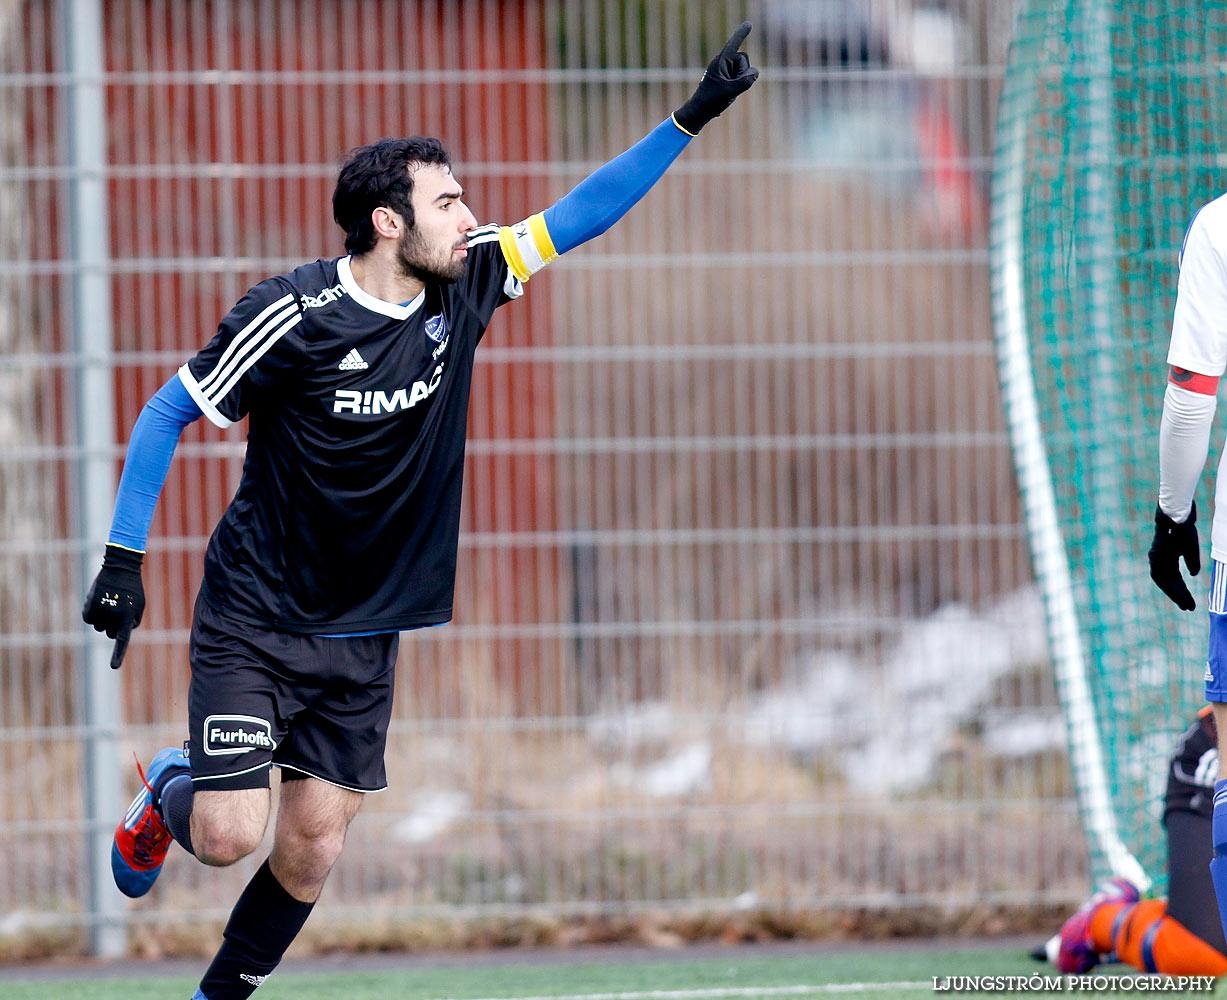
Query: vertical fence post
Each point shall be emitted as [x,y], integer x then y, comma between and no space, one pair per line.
[89,251]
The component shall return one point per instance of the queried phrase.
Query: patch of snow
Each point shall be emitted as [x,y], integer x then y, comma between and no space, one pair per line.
[435,810]
[19,922]
[1024,733]
[887,723]
[687,770]
[632,725]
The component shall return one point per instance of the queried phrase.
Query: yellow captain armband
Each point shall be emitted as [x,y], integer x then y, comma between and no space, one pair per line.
[527,246]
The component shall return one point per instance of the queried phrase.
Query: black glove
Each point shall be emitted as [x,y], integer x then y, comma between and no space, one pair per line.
[116,601]
[1172,541]
[728,75]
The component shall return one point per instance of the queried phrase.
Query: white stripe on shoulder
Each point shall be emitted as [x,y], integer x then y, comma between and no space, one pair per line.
[216,417]
[252,343]
[252,329]
[483,238]
[490,227]
[218,394]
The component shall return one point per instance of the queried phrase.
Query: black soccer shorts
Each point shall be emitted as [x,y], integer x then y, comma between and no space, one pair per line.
[317,706]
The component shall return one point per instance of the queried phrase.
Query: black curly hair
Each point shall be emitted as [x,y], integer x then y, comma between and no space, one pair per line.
[378,176]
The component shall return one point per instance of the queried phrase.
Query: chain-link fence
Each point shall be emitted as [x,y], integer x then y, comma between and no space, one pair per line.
[744,616]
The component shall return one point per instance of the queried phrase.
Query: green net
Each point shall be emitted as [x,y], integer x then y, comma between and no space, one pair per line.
[1111,129]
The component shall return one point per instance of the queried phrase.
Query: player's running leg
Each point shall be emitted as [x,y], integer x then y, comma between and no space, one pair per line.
[141,839]
[312,818]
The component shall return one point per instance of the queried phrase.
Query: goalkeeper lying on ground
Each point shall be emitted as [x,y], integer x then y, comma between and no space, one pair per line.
[1180,935]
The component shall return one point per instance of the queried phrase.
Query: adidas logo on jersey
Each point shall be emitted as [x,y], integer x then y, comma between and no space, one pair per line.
[352,362]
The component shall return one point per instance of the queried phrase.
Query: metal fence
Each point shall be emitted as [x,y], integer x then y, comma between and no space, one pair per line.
[744,614]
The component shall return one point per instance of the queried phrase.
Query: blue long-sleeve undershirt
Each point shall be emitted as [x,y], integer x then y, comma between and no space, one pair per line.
[150,451]
[605,195]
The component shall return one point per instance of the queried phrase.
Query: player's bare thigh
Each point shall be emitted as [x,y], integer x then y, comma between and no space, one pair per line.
[312,817]
[229,824]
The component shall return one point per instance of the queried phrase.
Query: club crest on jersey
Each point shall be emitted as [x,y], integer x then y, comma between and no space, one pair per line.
[235,734]
[436,328]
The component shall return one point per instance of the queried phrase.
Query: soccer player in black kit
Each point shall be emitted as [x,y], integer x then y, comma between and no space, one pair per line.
[354,374]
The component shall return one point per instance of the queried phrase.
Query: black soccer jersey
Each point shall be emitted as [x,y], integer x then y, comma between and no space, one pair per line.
[348,513]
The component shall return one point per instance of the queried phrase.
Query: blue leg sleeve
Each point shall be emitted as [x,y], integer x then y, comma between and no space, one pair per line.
[1218,866]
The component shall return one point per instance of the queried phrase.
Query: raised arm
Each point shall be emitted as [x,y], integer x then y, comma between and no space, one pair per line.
[605,195]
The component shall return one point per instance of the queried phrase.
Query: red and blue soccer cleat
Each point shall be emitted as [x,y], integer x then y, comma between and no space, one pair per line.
[141,839]
[1077,953]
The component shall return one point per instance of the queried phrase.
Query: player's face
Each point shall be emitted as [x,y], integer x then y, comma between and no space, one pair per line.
[435,248]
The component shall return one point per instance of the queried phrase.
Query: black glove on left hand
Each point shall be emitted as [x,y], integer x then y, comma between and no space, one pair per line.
[1172,541]
[727,76]
[116,601]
